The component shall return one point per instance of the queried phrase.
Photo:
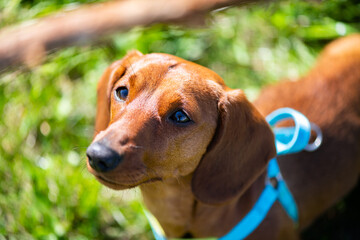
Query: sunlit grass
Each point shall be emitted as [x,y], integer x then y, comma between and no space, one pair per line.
[47,112]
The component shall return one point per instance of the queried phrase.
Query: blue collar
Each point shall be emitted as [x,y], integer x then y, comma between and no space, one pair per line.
[287,140]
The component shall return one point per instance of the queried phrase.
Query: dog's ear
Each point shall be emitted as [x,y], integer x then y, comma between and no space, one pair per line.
[112,73]
[239,152]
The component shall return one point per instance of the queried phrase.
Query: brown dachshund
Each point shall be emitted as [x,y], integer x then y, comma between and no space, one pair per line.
[199,150]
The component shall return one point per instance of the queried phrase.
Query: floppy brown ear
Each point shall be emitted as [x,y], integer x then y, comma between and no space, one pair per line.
[113,72]
[242,146]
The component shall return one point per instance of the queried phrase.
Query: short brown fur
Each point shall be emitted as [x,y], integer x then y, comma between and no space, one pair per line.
[202,178]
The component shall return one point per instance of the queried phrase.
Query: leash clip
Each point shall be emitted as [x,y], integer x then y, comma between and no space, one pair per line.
[318,140]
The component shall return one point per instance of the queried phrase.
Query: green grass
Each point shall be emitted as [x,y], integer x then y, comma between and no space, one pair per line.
[47,112]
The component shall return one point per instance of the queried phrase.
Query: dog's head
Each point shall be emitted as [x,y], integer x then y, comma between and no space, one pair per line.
[159,116]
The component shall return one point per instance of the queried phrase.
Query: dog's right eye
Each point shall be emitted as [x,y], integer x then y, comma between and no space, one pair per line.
[121,93]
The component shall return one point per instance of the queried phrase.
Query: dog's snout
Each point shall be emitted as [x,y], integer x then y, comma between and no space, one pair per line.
[102,158]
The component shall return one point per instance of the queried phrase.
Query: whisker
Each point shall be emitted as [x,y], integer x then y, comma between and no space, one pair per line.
[178,180]
[135,146]
[78,147]
[131,67]
[83,168]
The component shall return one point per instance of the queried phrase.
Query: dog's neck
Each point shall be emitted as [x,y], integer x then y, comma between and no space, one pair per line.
[171,202]
[179,213]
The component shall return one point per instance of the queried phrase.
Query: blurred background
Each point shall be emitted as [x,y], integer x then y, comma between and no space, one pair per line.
[47,111]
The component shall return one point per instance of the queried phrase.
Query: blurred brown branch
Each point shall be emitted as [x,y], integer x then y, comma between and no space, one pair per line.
[30,42]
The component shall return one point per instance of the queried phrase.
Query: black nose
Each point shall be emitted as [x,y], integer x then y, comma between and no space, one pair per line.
[102,158]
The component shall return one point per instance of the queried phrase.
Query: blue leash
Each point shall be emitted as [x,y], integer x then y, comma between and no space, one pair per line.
[287,140]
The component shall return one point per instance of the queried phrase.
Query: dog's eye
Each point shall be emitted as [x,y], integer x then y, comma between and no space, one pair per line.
[121,93]
[180,117]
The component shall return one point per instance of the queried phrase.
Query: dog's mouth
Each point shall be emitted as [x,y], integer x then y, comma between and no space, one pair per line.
[119,186]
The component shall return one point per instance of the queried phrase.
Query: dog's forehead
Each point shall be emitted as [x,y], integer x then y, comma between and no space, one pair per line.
[152,61]
[165,68]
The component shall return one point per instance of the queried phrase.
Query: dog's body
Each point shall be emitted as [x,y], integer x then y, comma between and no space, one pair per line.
[330,97]
[199,150]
